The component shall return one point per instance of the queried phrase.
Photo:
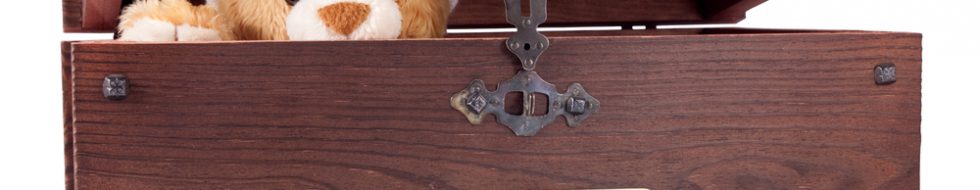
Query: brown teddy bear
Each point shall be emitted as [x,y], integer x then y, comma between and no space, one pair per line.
[179,20]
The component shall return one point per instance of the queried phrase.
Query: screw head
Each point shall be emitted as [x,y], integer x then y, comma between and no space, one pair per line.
[115,87]
[515,45]
[476,103]
[528,64]
[885,74]
[576,106]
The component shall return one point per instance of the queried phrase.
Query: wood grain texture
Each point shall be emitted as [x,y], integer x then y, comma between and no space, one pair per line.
[489,13]
[727,11]
[657,32]
[96,16]
[71,11]
[720,111]
[102,15]
[66,90]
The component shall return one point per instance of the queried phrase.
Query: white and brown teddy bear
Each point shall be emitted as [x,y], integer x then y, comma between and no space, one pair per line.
[180,20]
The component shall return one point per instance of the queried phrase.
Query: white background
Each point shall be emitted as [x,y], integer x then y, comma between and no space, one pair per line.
[31,154]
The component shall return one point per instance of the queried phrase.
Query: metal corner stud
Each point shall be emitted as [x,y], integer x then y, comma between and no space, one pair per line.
[115,87]
[885,73]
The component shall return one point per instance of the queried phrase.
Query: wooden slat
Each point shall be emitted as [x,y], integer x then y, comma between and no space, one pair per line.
[727,11]
[490,13]
[71,11]
[66,92]
[747,111]
[101,15]
[660,32]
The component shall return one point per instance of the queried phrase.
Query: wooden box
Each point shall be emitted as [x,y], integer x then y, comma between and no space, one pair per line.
[681,109]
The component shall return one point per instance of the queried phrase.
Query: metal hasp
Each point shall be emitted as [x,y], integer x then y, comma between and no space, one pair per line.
[476,101]
[528,44]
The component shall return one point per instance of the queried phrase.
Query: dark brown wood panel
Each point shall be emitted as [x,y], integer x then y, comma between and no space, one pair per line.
[71,11]
[66,93]
[101,15]
[746,111]
[659,32]
[727,11]
[490,13]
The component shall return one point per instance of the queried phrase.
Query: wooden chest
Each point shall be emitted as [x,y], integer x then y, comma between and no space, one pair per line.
[680,109]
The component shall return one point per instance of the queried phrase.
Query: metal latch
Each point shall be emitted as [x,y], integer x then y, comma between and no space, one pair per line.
[476,101]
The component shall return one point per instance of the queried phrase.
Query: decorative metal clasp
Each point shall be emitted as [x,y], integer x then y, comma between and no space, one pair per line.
[476,101]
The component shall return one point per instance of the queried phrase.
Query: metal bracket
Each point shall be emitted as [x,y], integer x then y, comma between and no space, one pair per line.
[528,44]
[476,101]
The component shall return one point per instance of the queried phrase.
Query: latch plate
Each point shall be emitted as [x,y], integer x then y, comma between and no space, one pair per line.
[476,101]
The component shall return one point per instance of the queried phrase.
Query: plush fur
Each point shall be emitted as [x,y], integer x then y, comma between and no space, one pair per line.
[384,19]
[179,20]
[344,20]
[253,19]
[148,29]
[168,20]
[187,32]
[424,18]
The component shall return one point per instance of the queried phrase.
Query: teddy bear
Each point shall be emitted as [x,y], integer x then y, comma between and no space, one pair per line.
[168,20]
[180,20]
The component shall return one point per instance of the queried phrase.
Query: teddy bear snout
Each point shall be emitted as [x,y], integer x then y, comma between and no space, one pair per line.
[344,17]
[344,20]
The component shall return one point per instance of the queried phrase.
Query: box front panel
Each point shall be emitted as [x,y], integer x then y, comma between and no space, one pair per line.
[747,111]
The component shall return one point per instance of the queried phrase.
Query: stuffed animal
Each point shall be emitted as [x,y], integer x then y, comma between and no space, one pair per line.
[179,20]
[368,19]
[253,19]
[425,18]
[168,20]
